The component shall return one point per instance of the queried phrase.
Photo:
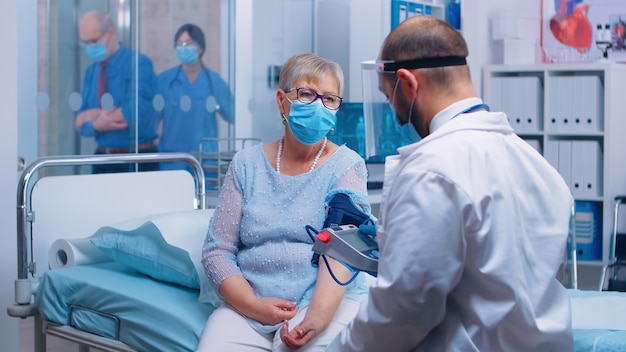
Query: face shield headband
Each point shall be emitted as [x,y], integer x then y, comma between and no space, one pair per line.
[381,136]
[426,62]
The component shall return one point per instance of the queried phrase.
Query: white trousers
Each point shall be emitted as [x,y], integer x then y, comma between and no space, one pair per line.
[226,330]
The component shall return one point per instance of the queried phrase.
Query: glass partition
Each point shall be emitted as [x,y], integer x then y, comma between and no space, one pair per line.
[128,76]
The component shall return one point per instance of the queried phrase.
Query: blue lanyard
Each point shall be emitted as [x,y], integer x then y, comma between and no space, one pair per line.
[473,109]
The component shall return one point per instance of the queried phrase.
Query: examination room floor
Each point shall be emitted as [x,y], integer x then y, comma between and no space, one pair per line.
[53,344]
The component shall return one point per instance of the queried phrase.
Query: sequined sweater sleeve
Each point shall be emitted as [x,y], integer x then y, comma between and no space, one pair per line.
[219,256]
[258,228]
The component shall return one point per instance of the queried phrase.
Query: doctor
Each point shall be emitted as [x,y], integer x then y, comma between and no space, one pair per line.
[473,221]
[193,96]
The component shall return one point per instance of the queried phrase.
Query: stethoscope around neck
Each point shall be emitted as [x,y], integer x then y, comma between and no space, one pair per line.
[208,77]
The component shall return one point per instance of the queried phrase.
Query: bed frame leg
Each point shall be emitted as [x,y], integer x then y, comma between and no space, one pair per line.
[40,337]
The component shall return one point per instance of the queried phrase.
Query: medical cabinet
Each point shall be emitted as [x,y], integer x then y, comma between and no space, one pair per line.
[571,114]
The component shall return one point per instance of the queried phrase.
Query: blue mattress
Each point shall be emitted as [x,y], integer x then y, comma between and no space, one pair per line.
[598,322]
[111,300]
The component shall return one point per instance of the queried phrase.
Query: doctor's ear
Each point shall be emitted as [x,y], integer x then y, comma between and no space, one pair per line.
[411,78]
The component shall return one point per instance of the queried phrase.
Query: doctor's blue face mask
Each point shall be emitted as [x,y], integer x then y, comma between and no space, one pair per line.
[96,51]
[406,130]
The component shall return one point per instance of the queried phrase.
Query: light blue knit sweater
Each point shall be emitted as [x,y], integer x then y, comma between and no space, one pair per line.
[258,228]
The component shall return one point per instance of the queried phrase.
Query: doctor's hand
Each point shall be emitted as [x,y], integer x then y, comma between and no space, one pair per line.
[271,310]
[302,333]
[110,120]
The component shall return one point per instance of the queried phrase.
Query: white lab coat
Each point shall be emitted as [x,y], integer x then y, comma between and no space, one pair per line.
[473,228]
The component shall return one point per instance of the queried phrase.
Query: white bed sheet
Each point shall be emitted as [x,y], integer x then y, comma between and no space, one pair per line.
[598,320]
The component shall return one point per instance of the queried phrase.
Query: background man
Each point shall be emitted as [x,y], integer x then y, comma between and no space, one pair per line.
[111,93]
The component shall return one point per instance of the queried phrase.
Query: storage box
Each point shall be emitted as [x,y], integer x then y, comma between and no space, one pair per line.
[508,25]
[519,51]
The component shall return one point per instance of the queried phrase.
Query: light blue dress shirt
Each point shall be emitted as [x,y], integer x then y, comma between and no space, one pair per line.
[131,82]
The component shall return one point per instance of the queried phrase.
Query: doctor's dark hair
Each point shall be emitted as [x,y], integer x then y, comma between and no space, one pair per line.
[194,32]
[312,67]
[427,37]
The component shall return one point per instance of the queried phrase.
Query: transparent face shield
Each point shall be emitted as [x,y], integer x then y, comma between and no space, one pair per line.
[382,137]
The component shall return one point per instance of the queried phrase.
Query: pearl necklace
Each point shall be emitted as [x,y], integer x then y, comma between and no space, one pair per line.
[313,166]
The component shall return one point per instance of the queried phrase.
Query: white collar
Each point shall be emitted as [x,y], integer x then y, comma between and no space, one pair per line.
[452,111]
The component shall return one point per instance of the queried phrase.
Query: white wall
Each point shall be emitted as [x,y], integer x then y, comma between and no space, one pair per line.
[8,160]
[369,23]
[364,27]
[476,19]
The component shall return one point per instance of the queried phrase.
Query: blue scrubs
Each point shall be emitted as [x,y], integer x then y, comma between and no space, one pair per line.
[184,125]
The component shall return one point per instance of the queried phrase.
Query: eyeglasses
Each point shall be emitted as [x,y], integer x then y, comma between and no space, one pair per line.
[308,95]
[186,43]
[92,41]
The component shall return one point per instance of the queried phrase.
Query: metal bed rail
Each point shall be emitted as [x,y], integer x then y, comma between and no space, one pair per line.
[215,162]
[23,189]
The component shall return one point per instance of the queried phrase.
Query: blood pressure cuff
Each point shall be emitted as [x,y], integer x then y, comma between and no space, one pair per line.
[341,210]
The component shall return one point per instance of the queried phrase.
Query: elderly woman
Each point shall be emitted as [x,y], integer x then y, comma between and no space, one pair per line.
[257,252]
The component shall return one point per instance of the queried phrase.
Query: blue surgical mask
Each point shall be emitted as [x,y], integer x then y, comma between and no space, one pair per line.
[407,131]
[96,51]
[311,122]
[187,54]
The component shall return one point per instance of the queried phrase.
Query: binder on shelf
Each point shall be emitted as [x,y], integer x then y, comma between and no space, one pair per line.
[551,153]
[586,169]
[403,9]
[578,113]
[565,121]
[588,222]
[512,95]
[579,162]
[565,164]
[590,104]
[553,104]
[494,100]
[533,104]
[592,175]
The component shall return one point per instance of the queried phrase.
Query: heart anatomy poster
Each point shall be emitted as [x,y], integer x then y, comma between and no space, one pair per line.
[583,30]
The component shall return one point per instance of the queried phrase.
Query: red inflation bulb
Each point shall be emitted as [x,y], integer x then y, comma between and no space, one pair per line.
[323,236]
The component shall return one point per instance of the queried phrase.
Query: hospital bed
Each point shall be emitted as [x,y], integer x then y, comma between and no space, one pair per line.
[598,316]
[118,304]
[113,307]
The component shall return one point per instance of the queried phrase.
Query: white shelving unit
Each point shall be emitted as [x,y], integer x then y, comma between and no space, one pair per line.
[575,115]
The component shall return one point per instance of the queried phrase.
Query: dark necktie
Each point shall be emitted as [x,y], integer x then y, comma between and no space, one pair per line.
[102,81]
